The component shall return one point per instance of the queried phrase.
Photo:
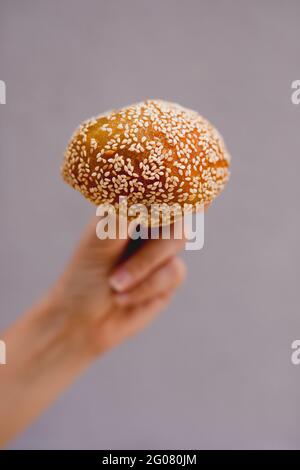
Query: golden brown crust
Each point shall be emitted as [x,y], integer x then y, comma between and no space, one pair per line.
[150,152]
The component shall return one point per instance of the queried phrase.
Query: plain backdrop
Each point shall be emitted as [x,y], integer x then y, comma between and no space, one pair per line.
[215,370]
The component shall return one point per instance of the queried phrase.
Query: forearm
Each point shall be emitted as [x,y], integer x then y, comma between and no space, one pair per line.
[89,311]
[44,355]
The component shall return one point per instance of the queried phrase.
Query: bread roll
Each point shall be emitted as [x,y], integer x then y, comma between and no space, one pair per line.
[153,152]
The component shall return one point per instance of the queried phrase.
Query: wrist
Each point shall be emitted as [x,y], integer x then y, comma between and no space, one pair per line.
[72,323]
[62,332]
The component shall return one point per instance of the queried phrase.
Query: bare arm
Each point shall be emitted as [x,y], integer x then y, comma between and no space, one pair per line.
[95,305]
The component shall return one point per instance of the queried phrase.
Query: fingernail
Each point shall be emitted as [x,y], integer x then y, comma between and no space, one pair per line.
[121,280]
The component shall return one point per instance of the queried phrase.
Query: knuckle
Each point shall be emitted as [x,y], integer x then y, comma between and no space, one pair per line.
[179,269]
[176,244]
[181,243]
[144,289]
[138,266]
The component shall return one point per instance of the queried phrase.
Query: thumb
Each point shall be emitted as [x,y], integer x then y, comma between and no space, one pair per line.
[104,241]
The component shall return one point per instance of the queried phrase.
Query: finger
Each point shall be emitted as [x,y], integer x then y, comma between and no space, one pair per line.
[126,322]
[137,268]
[135,319]
[91,247]
[165,279]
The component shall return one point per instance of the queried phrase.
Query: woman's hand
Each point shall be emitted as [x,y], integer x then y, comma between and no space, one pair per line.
[108,299]
[98,302]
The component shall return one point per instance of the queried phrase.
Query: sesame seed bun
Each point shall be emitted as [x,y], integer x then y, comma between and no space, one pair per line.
[154,152]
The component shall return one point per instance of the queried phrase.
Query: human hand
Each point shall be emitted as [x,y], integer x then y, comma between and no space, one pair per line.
[99,301]
[106,300]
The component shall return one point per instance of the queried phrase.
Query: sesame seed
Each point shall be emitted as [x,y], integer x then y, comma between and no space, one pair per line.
[159,150]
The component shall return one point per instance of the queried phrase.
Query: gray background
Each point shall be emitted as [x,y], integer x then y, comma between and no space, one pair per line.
[214,371]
